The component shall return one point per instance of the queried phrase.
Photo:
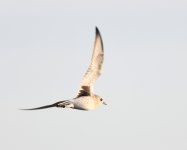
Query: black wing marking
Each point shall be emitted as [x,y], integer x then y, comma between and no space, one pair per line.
[57,104]
[84,91]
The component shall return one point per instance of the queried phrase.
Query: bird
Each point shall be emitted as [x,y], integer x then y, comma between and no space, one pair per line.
[86,99]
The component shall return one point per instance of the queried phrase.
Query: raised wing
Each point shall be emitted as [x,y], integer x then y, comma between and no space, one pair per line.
[95,67]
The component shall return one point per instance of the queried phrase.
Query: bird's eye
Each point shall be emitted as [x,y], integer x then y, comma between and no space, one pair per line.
[101,99]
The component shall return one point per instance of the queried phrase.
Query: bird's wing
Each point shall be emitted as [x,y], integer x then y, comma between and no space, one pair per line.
[95,67]
[42,107]
[57,104]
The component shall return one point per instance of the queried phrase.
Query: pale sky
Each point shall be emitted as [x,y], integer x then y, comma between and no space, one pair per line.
[45,48]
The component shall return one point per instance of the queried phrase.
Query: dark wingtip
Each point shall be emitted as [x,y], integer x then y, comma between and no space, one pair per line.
[98,34]
[42,107]
[30,109]
[26,109]
[97,30]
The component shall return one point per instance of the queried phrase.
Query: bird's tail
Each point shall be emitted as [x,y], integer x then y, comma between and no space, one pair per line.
[61,104]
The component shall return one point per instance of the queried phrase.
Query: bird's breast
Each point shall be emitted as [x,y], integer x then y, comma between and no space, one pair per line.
[84,103]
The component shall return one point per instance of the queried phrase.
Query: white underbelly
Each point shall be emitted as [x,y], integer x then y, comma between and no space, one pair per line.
[84,103]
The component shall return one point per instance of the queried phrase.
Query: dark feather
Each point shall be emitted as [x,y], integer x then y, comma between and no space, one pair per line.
[46,106]
[85,91]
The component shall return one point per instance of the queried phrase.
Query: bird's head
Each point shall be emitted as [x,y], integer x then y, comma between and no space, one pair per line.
[100,100]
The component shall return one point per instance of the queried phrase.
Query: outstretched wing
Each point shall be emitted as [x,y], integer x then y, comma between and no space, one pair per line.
[62,104]
[95,67]
[42,107]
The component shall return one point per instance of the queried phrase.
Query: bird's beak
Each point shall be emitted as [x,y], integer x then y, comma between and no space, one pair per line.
[104,103]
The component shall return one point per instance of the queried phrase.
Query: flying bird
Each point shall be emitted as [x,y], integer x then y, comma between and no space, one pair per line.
[86,99]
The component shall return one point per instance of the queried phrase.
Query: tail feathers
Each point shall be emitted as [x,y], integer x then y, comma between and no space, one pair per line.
[62,104]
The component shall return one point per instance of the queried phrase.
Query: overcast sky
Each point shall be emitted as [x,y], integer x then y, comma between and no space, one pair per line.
[45,48]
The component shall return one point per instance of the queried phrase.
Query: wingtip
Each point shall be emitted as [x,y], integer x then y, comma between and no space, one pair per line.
[27,109]
[42,107]
[98,34]
[97,30]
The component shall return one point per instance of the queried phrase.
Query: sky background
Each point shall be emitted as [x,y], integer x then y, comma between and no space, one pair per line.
[45,48]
